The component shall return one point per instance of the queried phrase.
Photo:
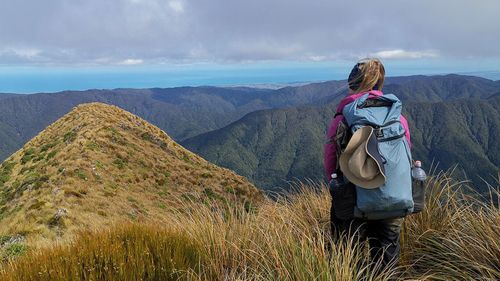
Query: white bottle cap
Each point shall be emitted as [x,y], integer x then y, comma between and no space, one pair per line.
[334,176]
[418,164]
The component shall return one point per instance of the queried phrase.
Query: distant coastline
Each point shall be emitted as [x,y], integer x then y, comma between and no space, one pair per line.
[39,81]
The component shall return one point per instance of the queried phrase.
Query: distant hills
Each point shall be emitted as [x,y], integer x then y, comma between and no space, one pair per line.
[99,165]
[272,146]
[182,112]
[273,135]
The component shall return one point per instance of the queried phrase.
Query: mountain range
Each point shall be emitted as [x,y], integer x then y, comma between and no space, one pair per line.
[276,135]
[182,112]
[273,146]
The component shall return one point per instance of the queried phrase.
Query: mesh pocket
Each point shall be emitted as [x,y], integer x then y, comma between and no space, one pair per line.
[343,200]
[418,193]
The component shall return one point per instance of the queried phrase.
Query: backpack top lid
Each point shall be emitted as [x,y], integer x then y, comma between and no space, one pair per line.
[377,111]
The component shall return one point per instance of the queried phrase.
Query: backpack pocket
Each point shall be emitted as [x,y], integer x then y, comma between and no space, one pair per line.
[418,192]
[344,200]
[394,198]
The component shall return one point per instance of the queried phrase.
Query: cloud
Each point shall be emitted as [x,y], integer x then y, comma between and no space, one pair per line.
[14,55]
[402,54]
[177,6]
[131,62]
[170,31]
[22,53]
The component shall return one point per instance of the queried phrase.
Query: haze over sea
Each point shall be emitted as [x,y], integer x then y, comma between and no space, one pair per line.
[35,79]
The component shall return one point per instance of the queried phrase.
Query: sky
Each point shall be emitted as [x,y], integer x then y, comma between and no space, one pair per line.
[89,42]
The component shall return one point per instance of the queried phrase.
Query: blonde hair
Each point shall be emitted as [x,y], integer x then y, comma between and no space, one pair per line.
[370,75]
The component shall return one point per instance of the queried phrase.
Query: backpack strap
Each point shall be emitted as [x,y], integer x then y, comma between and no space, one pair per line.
[341,139]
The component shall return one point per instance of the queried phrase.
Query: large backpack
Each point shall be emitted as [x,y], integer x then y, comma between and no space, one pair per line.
[394,198]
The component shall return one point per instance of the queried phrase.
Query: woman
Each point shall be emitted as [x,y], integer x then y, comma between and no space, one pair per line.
[367,76]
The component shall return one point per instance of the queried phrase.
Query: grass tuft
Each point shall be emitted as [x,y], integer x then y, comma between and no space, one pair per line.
[129,252]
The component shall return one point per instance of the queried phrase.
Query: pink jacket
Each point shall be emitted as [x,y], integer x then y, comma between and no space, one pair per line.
[330,156]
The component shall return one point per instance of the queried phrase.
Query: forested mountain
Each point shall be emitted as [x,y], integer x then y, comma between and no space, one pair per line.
[272,146]
[281,125]
[440,88]
[182,112]
[269,146]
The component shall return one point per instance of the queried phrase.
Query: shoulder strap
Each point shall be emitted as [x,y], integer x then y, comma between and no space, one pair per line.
[341,139]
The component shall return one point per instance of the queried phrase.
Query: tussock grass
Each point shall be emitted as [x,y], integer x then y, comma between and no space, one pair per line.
[455,238]
[125,253]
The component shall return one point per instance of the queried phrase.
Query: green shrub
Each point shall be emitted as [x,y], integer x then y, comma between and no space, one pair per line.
[5,172]
[4,239]
[69,136]
[33,181]
[99,164]
[48,146]
[206,175]
[51,154]
[28,155]
[14,250]
[119,163]
[81,174]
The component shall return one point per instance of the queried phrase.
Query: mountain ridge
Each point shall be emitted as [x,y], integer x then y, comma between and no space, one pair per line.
[99,165]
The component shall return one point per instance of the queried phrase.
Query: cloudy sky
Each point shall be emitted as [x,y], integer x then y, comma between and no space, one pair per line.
[132,32]
[55,45]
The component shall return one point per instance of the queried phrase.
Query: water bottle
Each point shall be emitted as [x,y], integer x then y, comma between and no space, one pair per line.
[343,197]
[418,186]
[417,173]
[334,182]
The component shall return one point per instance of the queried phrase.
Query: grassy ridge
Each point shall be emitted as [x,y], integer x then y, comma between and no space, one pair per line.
[455,238]
[100,165]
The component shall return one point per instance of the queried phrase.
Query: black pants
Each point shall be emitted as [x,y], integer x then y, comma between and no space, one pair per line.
[382,235]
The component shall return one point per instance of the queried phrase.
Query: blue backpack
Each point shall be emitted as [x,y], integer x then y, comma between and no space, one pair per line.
[394,198]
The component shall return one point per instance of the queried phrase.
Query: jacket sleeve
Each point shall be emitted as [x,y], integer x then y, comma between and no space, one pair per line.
[404,122]
[330,149]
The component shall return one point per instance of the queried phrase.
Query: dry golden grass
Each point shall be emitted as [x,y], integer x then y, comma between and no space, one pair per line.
[455,238]
[99,165]
[128,252]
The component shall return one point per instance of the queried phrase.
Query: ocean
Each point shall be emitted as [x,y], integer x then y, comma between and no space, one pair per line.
[36,79]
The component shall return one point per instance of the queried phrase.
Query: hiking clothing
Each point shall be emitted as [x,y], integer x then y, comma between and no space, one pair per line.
[383,236]
[330,149]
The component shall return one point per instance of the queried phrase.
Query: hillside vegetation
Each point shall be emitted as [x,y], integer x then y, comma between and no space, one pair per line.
[185,112]
[271,147]
[100,165]
[455,238]
[182,112]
